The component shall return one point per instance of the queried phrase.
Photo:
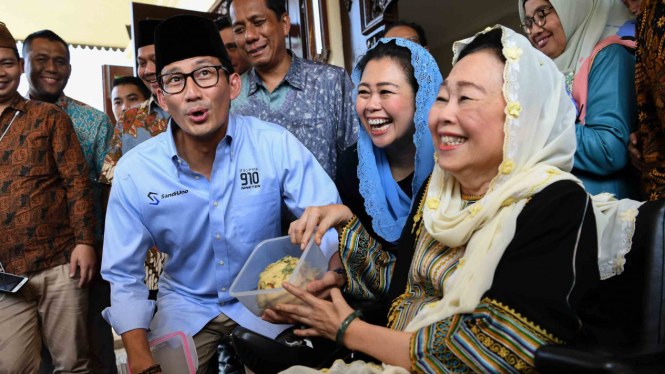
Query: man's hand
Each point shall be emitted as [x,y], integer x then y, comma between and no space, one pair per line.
[321,217]
[83,256]
[138,350]
[635,153]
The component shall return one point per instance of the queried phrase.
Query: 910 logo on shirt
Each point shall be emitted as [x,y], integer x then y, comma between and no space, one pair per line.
[250,178]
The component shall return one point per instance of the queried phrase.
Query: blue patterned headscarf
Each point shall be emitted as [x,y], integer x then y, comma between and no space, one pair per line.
[385,201]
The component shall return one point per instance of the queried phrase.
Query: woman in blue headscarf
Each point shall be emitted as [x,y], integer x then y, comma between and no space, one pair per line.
[396,84]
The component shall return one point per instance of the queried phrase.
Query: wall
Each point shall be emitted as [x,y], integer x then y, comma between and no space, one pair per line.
[444,53]
[335,33]
[448,21]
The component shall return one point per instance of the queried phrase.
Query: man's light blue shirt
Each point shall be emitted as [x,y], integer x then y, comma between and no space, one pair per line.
[208,229]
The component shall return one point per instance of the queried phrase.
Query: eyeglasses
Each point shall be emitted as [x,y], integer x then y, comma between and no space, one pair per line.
[414,39]
[539,18]
[204,77]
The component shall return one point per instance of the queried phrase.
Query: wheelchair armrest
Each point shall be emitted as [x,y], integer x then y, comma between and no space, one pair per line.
[265,355]
[572,360]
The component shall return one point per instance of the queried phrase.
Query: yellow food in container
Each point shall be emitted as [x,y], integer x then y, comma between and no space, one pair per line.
[281,271]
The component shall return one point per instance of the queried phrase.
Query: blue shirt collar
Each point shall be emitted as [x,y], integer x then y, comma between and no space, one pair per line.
[228,139]
[294,76]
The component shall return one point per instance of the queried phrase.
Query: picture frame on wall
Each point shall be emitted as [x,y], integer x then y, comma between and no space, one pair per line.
[375,13]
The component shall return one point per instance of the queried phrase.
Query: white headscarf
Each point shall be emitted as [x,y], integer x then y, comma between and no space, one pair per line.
[538,150]
[585,24]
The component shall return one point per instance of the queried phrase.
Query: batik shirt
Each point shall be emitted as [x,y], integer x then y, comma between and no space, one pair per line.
[45,194]
[650,84]
[314,102]
[94,130]
[134,126]
[529,304]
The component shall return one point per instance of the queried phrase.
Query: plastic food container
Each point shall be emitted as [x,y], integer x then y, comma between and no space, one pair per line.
[175,353]
[311,266]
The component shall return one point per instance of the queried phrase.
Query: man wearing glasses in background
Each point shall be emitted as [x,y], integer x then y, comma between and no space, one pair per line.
[311,99]
[205,192]
[407,30]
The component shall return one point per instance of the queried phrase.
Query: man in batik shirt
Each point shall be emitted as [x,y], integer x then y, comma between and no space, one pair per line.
[147,119]
[137,125]
[312,100]
[47,67]
[650,81]
[47,231]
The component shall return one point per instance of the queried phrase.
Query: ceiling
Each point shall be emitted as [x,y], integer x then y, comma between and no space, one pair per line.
[94,23]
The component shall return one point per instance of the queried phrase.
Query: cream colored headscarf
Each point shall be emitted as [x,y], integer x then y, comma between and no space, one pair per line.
[585,24]
[539,147]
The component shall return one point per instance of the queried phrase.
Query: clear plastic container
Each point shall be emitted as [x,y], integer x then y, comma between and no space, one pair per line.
[174,352]
[311,266]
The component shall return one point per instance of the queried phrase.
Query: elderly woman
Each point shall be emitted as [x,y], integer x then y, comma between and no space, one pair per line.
[502,248]
[592,44]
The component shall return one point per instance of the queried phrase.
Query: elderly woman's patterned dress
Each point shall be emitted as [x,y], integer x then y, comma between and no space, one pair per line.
[530,303]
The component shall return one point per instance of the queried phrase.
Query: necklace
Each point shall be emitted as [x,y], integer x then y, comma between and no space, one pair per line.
[472,197]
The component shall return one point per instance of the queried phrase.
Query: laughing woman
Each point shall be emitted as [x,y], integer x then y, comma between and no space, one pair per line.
[590,42]
[504,247]
[397,82]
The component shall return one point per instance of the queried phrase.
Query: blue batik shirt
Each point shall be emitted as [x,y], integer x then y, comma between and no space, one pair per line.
[314,102]
[94,130]
[208,229]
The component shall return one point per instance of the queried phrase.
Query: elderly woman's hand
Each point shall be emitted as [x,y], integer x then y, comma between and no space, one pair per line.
[331,280]
[323,317]
[320,288]
[323,217]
